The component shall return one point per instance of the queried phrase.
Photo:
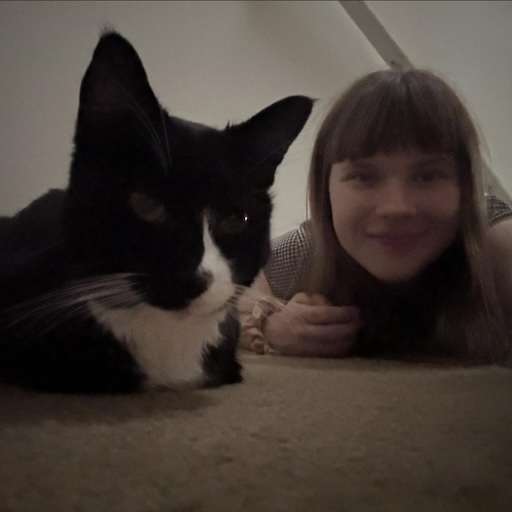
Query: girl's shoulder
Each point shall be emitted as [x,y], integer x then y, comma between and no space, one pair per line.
[293,242]
[497,209]
[289,260]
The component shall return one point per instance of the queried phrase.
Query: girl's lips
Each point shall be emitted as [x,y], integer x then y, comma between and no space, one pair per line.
[396,241]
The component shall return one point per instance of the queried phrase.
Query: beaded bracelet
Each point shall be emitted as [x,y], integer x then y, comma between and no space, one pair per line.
[251,329]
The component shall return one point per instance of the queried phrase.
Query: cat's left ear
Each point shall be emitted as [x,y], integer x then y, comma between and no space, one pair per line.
[270,133]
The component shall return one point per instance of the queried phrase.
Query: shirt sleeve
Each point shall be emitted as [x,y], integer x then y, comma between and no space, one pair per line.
[497,209]
[289,262]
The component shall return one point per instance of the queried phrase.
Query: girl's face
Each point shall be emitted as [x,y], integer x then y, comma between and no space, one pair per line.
[395,213]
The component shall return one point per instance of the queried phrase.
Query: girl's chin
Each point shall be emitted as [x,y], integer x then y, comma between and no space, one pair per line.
[397,279]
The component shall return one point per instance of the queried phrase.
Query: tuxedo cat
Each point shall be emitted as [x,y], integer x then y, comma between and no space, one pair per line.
[128,279]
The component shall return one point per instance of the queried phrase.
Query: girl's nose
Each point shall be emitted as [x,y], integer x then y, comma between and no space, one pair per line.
[396,200]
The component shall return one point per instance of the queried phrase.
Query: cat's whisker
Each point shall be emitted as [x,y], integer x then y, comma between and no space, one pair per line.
[126,300]
[79,312]
[263,160]
[146,122]
[112,289]
[51,318]
[155,141]
[166,137]
[47,311]
[99,288]
[57,317]
[79,288]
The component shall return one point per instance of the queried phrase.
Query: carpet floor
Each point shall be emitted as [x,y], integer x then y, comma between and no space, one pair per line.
[297,435]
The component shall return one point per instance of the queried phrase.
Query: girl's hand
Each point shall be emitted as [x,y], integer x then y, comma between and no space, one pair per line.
[308,326]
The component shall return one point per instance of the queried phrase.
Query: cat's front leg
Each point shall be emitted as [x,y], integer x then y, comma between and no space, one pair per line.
[220,362]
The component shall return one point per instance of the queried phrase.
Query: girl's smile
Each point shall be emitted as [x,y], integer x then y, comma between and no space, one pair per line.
[396,241]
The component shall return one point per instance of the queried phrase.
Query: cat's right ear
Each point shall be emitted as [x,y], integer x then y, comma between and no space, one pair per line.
[115,85]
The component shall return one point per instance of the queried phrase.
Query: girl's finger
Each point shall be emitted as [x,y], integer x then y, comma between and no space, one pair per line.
[327,315]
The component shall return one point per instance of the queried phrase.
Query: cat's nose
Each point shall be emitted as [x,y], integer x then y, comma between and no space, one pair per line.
[198,284]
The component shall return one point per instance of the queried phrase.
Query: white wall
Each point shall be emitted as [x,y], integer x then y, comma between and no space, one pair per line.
[470,44]
[211,62]
[215,62]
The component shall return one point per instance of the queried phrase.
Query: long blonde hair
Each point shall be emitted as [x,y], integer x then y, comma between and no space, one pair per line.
[391,110]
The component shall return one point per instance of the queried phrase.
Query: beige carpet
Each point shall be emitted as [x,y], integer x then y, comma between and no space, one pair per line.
[297,435]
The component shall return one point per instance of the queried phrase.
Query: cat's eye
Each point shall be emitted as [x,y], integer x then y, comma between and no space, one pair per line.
[234,224]
[147,208]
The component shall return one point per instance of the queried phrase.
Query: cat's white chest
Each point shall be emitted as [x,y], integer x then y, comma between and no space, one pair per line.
[168,345]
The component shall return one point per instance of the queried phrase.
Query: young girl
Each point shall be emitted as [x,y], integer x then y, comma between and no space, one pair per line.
[399,256]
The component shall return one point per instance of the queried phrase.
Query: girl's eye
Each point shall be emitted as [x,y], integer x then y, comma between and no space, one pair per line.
[362,177]
[429,176]
[425,177]
[147,208]
[366,177]
[234,224]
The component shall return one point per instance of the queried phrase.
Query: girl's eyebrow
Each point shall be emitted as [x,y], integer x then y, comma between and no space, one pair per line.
[441,159]
[363,163]
[368,163]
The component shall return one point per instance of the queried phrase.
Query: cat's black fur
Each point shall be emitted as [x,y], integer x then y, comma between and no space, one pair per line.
[90,278]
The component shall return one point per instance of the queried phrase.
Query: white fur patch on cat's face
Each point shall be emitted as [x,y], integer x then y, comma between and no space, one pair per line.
[169,345]
[221,287]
